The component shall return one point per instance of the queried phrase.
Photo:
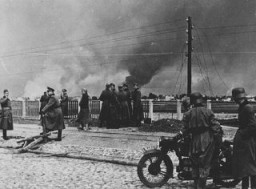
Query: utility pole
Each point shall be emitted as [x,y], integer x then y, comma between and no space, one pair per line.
[189,44]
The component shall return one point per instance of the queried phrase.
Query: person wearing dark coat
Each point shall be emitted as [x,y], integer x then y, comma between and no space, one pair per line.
[53,114]
[6,121]
[138,115]
[114,109]
[64,102]
[244,150]
[124,114]
[128,97]
[83,114]
[105,108]
[43,100]
[203,129]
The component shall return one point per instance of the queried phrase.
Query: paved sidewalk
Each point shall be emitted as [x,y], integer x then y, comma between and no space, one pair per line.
[123,145]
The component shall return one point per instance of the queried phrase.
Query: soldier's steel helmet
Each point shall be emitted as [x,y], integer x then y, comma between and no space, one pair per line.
[196,98]
[238,92]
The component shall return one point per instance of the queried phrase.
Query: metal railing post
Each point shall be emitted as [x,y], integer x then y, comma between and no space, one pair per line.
[23,108]
[150,109]
[179,115]
[209,104]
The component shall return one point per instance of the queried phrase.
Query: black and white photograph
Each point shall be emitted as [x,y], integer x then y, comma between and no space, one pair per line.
[127,94]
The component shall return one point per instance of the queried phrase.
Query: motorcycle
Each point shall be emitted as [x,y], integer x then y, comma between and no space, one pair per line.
[155,167]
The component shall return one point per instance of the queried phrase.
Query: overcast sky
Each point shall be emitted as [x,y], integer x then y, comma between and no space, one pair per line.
[76,44]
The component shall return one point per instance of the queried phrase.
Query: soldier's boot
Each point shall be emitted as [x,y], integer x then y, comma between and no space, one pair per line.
[201,184]
[59,135]
[195,183]
[5,134]
[245,183]
[253,182]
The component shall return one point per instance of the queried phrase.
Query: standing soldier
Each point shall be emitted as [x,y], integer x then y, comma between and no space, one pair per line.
[105,109]
[43,101]
[244,154]
[64,102]
[200,124]
[83,115]
[114,108]
[137,106]
[128,97]
[124,114]
[53,114]
[6,122]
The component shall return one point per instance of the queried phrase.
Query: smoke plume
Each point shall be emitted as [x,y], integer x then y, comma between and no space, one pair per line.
[86,44]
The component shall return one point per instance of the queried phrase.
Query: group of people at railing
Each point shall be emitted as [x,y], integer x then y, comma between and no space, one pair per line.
[117,107]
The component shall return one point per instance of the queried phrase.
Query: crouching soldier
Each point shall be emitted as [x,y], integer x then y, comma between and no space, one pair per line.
[200,124]
[53,118]
[6,122]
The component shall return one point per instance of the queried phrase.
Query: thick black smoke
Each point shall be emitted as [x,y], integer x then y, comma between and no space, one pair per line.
[141,40]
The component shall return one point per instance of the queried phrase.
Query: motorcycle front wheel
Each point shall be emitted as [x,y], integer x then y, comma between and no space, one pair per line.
[153,173]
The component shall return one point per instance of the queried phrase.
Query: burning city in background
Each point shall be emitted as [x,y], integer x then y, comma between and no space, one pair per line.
[80,44]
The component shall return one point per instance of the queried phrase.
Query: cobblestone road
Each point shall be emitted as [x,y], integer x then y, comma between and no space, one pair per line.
[30,171]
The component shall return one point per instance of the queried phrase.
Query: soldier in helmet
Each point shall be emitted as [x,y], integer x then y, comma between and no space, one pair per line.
[53,114]
[200,124]
[244,154]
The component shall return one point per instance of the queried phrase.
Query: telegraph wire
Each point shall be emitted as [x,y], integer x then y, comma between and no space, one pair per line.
[212,60]
[181,67]
[107,34]
[90,44]
[230,26]
[201,44]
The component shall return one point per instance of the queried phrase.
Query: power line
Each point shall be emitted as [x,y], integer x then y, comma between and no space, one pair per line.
[212,60]
[107,34]
[201,69]
[181,67]
[230,26]
[206,67]
[207,80]
[95,43]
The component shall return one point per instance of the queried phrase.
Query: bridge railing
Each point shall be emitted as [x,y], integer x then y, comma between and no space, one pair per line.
[30,109]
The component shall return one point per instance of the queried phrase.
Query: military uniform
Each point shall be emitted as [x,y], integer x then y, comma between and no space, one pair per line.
[124,114]
[244,151]
[83,114]
[105,108]
[64,103]
[200,124]
[7,121]
[129,99]
[138,115]
[53,115]
[114,107]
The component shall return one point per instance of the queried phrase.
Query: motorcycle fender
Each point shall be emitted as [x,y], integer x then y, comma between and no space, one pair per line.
[153,151]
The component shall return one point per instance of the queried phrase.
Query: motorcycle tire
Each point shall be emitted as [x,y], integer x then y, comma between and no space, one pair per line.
[154,170]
